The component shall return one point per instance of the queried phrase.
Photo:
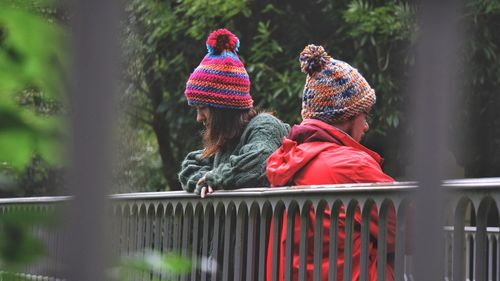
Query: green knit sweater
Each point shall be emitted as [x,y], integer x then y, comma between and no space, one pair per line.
[243,166]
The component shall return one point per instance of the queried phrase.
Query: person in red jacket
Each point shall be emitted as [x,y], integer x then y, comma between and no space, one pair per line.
[325,149]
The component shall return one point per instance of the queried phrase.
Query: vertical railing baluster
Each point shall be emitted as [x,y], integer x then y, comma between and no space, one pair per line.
[318,241]
[252,244]
[227,269]
[365,240]
[448,242]
[400,247]
[265,221]
[167,236]
[240,239]
[149,236]
[382,241]
[497,236]
[141,227]
[490,256]
[206,256]
[469,271]
[276,241]
[303,244]
[179,219]
[191,236]
[291,213]
[217,242]
[459,238]
[349,229]
[480,248]
[158,215]
[133,234]
[334,235]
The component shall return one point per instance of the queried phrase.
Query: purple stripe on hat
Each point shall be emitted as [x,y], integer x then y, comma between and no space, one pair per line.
[215,90]
[225,73]
[204,78]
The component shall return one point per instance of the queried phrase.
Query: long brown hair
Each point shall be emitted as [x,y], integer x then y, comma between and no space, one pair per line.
[224,129]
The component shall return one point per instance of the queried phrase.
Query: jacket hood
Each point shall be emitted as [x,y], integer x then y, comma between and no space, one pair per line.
[303,144]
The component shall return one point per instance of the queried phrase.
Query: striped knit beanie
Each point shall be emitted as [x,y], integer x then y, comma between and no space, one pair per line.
[221,79]
[334,90]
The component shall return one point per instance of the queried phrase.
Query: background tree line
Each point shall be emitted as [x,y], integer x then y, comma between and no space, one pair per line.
[164,42]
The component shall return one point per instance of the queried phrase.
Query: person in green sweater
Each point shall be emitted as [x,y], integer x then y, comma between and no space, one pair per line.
[236,140]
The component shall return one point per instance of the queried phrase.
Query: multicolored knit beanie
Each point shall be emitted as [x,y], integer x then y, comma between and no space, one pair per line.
[334,90]
[221,79]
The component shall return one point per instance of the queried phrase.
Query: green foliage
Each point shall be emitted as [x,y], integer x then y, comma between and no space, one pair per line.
[153,264]
[28,63]
[18,244]
[165,42]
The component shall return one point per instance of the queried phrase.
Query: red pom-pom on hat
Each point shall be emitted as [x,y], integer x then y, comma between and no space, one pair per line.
[222,40]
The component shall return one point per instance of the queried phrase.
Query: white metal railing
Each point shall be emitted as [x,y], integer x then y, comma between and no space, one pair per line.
[226,235]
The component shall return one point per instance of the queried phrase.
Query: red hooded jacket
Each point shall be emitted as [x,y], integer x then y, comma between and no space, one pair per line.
[316,153]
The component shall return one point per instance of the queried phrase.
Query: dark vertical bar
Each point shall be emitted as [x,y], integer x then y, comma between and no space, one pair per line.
[434,84]
[318,243]
[168,234]
[208,219]
[334,238]
[148,232]
[382,243]
[265,221]
[239,247]
[365,241]
[177,232]
[158,226]
[348,247]
[191,230]
[458,244]
[228,263]
[276,238]
[252,245]
[399,251]
[498,256]
[216,244]
[132,231]
[290,233]
[468,264]
[480,248]
[303,244]
[94,85]
[447,242]
[490,256]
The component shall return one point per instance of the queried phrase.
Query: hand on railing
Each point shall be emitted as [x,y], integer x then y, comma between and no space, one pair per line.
[206,189]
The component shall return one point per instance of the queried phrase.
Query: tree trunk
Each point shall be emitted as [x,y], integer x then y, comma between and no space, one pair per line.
[161,129]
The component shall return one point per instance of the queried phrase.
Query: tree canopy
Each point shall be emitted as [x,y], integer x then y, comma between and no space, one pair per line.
[164,42]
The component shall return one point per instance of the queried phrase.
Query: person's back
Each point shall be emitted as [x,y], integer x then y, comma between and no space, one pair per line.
[236,138]
[325,149]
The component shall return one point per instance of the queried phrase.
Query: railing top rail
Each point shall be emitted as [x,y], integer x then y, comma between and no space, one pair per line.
[34,200]
[473,229]
[287,191]
[371,188]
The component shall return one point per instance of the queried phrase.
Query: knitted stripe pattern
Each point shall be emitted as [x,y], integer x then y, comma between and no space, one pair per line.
[334,90]
[221,79]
